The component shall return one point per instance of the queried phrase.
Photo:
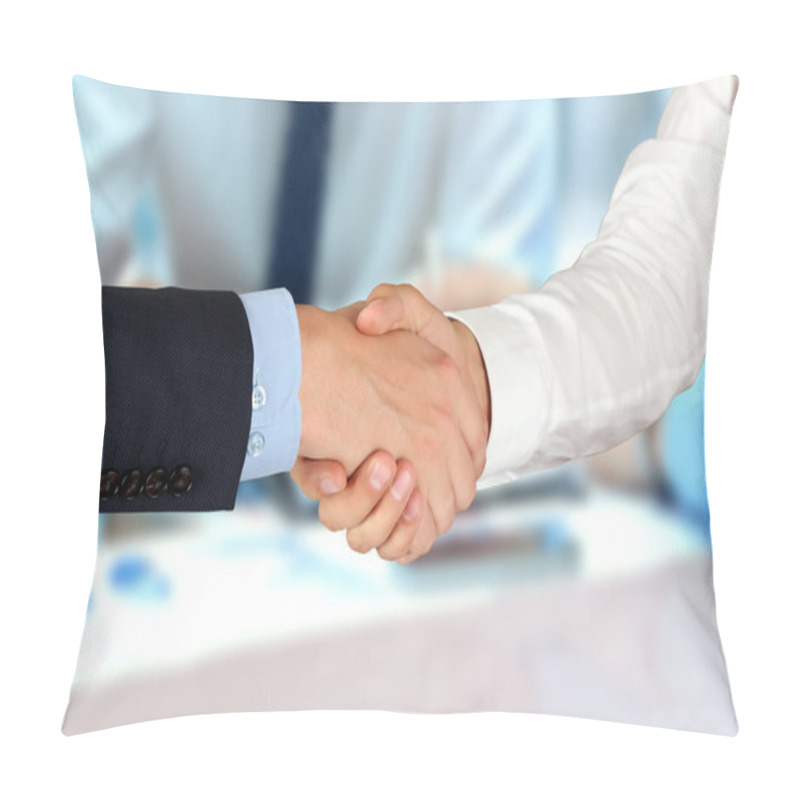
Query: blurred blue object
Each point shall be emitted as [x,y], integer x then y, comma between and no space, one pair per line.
[135,577]
[683,452]
[554,535]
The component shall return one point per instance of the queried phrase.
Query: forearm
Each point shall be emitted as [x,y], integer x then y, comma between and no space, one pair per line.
[599,352]
[177,366]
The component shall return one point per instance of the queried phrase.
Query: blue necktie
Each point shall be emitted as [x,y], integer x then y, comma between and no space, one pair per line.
[300,205]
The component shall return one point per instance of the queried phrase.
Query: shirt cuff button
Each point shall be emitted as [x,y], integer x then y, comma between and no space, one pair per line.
[259,398]
[255,444]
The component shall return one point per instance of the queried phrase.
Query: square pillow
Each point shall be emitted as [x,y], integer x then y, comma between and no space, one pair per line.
[571,239]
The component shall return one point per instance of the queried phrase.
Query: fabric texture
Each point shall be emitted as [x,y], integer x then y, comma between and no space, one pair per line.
[632,311]
[178,370]
[277,368]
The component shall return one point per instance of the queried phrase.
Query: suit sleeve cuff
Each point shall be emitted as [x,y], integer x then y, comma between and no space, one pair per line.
[274,437]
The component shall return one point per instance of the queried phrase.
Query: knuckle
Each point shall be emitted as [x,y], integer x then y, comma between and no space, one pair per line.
[358,541]
[392,550]
[467,496]
[327,517]
[311,492]
[444,365]
[300,476]
[442,419]
[419,551]
[444,519]
[450,369]
[381,290]
[421,546]
[396,547]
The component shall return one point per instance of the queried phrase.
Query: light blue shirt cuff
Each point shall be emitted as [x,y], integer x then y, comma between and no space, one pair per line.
[274,437]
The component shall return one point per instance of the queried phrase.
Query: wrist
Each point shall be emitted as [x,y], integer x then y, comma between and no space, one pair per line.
[330,382]
[309,322]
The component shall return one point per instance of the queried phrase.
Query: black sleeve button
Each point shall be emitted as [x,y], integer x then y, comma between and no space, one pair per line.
[156,483]
[180,481]
[131,484]
[109,483]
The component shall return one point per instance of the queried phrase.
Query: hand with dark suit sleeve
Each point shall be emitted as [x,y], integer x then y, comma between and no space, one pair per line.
[204,389]
[178,399]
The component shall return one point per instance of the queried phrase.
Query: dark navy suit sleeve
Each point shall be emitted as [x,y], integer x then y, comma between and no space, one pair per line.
[178,399]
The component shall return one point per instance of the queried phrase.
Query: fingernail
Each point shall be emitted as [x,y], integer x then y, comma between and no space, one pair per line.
[402,484]
[411,511]
[328,485]
[379,475]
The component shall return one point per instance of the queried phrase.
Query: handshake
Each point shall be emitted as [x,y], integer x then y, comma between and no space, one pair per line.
[395,420]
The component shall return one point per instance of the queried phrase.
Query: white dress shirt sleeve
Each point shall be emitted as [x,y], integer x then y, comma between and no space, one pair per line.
[599,352]
[274,436]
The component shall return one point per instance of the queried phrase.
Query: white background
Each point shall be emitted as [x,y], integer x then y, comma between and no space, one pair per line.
[52,403]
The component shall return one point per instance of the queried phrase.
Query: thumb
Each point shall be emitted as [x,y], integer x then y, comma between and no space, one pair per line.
[318,479]
[381,316]
[392,308]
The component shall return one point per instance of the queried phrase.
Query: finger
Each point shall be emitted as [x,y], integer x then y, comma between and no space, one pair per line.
[422,542]
[366,487]
[468,415]
[379,525]
[426,534]
[391,308]
[318,478]
[462,476]
[451,473]
[381,316]
[441,503]
[472,425]
[416,518]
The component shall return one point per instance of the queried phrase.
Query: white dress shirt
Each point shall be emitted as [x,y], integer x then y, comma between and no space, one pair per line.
[598,353]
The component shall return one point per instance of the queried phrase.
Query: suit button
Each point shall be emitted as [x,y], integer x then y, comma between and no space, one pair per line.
[180,481]
[156,483]
[131,484]
[109,483]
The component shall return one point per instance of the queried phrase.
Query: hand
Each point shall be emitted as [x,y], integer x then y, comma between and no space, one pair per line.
[373,515]
[397,391]
[392,308]
[379,506]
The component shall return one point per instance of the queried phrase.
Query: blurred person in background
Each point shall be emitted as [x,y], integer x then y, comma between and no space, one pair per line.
[191,190]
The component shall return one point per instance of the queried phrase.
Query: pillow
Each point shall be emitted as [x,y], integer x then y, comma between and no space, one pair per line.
[573,240]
